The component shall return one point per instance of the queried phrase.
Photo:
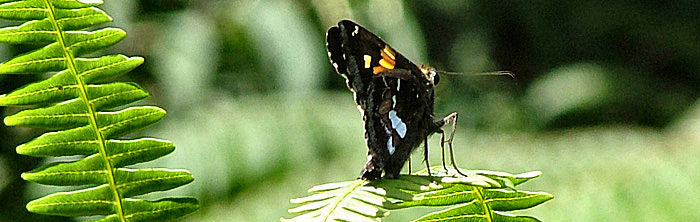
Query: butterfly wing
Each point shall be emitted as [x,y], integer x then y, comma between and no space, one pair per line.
[398,118]
[358,55]
[393,94]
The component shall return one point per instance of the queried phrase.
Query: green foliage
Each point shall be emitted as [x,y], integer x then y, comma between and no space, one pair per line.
[481,196]
[83,110]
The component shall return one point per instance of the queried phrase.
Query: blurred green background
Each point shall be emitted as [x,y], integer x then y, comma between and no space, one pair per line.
[605,101]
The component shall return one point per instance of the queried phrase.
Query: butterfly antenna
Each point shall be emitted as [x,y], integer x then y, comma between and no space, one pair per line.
[496,73]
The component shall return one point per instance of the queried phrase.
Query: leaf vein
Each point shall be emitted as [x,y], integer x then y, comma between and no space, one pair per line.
[136,151]
[34,61]
[61,20]
[73,172]
[85,42]
[153,211]
[74,202]
[135,183]
[24,9]
[27,32]
[126,121]
[60,143]
[510,198]
[456,217]
[341,199]
[40,92]
[86,72]
[112,95]
[448,195]
[54,116]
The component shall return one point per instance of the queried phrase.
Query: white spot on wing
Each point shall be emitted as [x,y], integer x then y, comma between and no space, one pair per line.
[357,30]
[390,145]
[397,124]
[398,83]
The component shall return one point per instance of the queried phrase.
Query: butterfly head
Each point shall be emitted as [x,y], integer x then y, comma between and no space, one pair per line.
[430,74]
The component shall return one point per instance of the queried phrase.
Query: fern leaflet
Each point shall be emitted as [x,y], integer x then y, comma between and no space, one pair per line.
[481,196]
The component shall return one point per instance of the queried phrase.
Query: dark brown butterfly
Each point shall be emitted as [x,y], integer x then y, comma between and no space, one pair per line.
[394,95]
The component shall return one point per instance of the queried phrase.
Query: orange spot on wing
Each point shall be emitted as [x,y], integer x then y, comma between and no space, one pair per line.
[389,65]
[388,52]
[388,59]
[387,62]
[378,69]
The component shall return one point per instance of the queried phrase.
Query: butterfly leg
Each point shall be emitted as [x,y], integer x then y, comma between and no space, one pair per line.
[409,165]
[425,158]
[442,146]
[452,117]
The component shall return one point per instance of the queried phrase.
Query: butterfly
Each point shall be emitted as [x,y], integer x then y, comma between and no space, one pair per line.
[394,95]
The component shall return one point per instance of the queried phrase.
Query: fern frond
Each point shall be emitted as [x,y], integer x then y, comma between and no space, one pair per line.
[344,201]
[78,104]
[481,196]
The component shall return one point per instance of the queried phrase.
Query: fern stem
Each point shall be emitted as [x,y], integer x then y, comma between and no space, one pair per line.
[92,114]
[479,193]
[341,198]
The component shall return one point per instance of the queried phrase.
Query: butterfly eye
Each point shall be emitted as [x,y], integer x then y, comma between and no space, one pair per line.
[436,78]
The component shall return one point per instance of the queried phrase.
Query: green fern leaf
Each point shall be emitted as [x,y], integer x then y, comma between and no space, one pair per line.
[345,201]
[76,103]
[480,196]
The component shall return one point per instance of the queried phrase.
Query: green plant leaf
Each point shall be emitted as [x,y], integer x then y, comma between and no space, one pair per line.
[345,201]
[76,105]
[479,196]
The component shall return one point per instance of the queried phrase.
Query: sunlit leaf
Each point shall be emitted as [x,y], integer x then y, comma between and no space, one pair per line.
[479,196]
